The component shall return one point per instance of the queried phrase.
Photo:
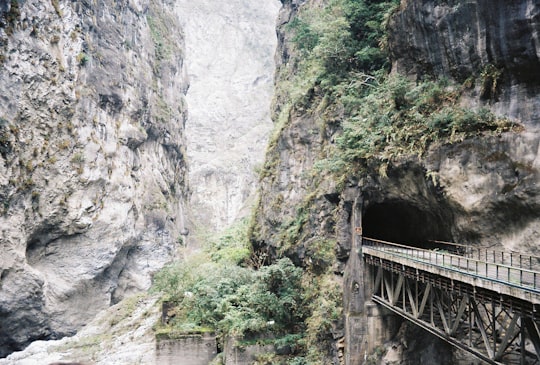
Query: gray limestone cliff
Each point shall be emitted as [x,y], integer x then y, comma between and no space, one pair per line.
[464,39]
[92,166]
[95,141]
[229,56]
[488,184]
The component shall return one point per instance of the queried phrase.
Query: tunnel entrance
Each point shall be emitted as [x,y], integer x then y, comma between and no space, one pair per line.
[405,223]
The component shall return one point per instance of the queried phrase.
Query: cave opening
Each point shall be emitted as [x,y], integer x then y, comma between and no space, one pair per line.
[405,223]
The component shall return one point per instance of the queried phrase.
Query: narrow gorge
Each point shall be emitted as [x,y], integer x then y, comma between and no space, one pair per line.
[229,57]
[173,169]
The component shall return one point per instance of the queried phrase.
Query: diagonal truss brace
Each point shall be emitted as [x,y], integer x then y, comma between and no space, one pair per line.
[490,331]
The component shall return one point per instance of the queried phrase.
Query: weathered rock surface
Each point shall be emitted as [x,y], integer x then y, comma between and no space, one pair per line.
[229,55]
[120,335]
[481,191]
[488,185]
[92,168]
[495,39]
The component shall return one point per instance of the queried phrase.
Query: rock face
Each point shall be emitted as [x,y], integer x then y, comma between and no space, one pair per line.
[92,166]
[229,55]
[487,185]
[499,40]
[120,335]
[481,191]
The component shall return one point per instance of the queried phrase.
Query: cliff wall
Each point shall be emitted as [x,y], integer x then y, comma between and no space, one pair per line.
[229,56]
[92,166]
[492,49]
[478,187]
[493,42]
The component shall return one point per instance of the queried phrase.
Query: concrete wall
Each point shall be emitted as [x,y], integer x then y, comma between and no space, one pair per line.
[367,325]
[189,350]
[236,354]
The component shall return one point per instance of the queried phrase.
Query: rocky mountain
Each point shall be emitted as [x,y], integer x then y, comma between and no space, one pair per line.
[405,121]
[432,136]
[95,141]
[92,166]
[229,57]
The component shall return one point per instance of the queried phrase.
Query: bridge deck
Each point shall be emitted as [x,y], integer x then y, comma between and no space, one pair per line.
[483,302]
[514,281]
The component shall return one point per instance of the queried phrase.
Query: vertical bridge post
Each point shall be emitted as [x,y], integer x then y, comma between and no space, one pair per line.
[353,294]
[367,324]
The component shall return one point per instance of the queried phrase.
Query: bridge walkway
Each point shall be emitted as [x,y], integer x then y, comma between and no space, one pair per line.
[480,301]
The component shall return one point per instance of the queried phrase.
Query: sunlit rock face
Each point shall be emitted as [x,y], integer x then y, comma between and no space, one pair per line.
[230,47]
[92,161]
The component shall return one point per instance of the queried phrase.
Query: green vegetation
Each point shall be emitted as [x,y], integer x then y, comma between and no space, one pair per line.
[232,300]
[82,59]
[334,43]
[216,290]
[340,76]
[78,158]
[158,32]
[165,43]
[396,118]
[78,161]
[212,291]
[490,77]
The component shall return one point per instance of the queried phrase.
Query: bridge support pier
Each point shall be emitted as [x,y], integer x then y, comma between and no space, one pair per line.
[382,325]
[367,324]
[368,331]
[496,328]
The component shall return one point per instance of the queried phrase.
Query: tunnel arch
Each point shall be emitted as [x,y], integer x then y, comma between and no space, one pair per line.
[406,223]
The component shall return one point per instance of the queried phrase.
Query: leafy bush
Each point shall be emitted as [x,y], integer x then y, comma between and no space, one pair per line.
[305,38]
[395,117]
[300,360]
[324,296]
[232,299]
[232,246]
[343,37]
[211,291]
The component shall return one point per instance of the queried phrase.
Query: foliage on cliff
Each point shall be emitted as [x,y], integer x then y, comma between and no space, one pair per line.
[340,69]
[223,290]
[397,118]
[231,299]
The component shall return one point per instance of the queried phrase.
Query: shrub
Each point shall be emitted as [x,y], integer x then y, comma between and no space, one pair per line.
[212,290]
[82,59]
[344,37]
[232,299]
[396,118]
[232,246]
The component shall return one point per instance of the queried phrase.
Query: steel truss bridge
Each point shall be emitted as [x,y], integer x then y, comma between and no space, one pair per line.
[484,302]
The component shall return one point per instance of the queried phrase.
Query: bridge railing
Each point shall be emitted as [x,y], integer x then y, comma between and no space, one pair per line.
[510,258]
[514,276]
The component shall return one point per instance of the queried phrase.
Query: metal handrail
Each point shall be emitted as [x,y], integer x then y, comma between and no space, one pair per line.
[524,278]
[514,257]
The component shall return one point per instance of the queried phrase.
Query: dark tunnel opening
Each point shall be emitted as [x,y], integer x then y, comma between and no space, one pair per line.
[404,223]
